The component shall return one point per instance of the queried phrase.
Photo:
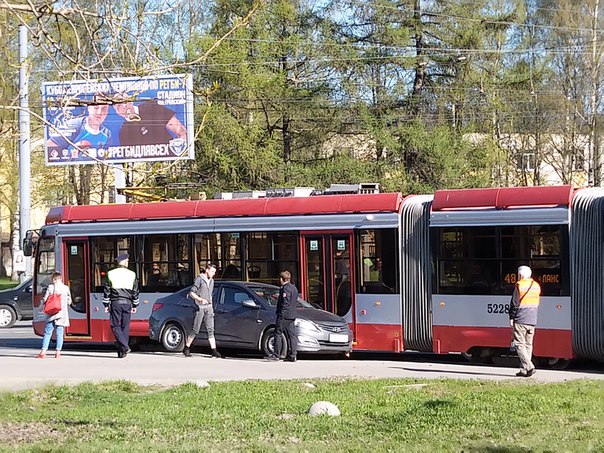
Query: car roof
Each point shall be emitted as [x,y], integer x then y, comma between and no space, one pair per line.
[246,284]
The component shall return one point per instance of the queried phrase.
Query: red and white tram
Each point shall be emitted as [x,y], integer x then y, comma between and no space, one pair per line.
[424,273]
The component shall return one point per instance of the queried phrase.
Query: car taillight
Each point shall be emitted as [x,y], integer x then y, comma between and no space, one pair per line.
[157,307]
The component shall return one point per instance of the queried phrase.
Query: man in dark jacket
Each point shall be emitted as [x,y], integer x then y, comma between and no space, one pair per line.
[121,299]
[286,315]
[524,307]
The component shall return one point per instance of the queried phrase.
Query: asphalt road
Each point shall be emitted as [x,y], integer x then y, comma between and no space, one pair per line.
[19,369]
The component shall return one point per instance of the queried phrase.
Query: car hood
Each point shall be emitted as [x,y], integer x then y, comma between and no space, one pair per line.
[313,314]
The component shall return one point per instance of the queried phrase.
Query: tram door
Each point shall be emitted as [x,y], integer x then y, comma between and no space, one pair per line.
[76,276]
[329,272]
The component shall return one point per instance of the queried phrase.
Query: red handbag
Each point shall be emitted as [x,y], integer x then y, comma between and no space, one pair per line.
[53,304]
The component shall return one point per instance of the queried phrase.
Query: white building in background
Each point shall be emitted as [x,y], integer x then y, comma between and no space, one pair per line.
[552,160]
[359,146]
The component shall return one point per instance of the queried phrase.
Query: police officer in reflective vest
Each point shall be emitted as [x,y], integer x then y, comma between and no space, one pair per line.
[286,316]
[524,307]
[121,299]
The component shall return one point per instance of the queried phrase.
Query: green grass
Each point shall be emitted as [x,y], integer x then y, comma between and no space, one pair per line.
[6,283]
[377,415]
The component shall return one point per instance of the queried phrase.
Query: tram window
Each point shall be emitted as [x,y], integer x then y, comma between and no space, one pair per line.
[46,263]
[545,241]
[476,260]
[468,276]
[483,244]
[451,244]
[270,253]
[546,272]
[105,250]
[529,241]
[165,264]
[450,275]
[468,243]
[221,249]
[378,268]
[259,246]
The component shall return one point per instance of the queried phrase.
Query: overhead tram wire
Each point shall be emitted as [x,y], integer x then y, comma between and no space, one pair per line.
[483,20]
[473,2]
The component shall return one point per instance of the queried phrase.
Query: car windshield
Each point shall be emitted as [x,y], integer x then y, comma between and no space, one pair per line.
[271,295]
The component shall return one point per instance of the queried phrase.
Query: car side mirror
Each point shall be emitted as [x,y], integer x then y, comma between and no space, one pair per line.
[249,303]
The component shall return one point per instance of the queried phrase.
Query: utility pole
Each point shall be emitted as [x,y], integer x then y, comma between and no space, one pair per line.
[595,163]
[24,151]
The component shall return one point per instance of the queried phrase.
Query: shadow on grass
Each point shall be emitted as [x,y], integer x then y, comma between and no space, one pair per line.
[491,449]
[75,422]
[438,404]
[448,371]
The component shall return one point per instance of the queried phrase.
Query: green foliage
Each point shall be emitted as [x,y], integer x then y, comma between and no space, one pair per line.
[7,283]
[388,415]
[438,158]
[235,156]
[412,78]
[336,169]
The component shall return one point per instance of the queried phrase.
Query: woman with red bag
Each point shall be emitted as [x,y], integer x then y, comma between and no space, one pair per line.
[59,320]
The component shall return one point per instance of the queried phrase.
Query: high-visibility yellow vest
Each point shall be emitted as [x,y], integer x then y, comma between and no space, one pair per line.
[528,292]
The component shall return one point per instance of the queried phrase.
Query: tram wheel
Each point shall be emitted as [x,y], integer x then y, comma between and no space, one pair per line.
[558,364]
[467,356]
[173,338]
[478,356]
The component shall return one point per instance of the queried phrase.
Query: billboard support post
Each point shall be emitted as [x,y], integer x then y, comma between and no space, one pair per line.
[120,183]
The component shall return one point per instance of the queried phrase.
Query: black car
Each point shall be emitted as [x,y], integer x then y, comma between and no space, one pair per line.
[16,304]
[245,319]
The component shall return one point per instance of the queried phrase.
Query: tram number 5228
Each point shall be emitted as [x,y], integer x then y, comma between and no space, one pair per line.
[498,308]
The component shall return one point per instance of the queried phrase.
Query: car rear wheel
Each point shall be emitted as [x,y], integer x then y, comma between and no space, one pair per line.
[8,317]
[173,338]
[268,343]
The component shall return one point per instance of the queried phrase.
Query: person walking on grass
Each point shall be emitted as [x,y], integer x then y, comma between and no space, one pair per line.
[120,298]
[201,293]
[59,321]
[524,307]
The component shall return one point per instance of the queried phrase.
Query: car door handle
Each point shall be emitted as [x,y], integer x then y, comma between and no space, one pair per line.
[218,310]
[259,321]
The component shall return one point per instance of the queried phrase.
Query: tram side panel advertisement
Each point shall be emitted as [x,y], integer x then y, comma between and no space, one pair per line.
[119,120]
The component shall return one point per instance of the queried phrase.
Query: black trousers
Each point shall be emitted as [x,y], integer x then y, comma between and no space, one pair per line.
[119,320]
[287,326]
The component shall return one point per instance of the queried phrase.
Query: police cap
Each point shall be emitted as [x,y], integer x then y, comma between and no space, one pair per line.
[122,257]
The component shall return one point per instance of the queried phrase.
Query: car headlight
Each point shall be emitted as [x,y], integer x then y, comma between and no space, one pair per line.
[305,324]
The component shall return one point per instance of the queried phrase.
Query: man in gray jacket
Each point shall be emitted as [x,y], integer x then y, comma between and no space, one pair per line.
[201,293]
[524,308]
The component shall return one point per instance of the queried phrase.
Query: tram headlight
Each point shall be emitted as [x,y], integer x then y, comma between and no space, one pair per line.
[305,324]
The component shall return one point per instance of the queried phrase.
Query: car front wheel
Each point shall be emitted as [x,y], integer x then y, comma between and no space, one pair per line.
[173,338]
[268,343]
[8,317]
